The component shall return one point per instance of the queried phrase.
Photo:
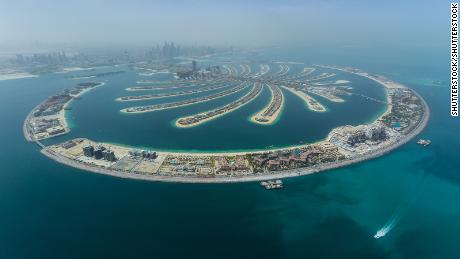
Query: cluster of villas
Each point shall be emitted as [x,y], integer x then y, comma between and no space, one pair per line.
[406,109]
[224,109]
[404,114]
[310,155]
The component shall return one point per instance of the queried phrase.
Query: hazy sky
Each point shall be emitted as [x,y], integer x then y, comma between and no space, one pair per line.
[339,22]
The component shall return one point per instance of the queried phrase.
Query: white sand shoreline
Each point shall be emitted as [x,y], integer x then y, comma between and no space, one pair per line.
[307,99]
[17,75]
[219,115]
[275,175]
[263,177]
[166,95]
[274,117]
[230,91]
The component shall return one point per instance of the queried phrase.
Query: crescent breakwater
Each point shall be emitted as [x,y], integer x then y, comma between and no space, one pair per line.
[327,93]
[344,146]
[48,120]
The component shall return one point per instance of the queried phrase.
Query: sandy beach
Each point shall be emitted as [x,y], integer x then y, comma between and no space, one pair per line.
[328,96]
[74,69]
[192,101]
[311,103]
[262,177]
[62,113]
[153,88]
[269,119]
[386,83]
[381,150]
[220,114]
[321,77]
[165,95]
[18,75]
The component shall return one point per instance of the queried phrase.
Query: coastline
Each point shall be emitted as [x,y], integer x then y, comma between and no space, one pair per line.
[61,116]
[374,153]
[307,99]
[14,76]
[275,175]
[166,95]
[320,77]
[174,85]
[329,97]
[264,69]
[219,115]
[207,98]
[305,72]
[63,112]
[274,117]
[387,85]
[284,70]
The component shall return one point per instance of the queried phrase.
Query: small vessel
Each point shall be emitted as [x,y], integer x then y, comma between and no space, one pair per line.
[271,185]
[424,142]
[380,233]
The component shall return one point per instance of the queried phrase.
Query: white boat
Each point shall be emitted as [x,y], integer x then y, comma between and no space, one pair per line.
[379,234]
[277,184]
[424,142]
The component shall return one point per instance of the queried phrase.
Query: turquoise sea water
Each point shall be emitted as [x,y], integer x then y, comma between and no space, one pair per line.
[97,116]
[49,210]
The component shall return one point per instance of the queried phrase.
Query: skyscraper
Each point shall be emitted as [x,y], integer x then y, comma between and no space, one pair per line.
[194,65]
[88,151]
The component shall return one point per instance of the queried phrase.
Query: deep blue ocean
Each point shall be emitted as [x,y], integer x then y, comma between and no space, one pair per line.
[48,210]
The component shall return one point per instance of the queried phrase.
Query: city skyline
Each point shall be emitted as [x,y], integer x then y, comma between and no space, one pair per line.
[229,129]
[29,24]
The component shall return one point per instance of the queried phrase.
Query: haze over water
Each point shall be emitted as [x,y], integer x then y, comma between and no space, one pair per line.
[49,210]
[97,116]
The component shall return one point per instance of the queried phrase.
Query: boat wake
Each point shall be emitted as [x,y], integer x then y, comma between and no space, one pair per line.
[388,226]
[400,211]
